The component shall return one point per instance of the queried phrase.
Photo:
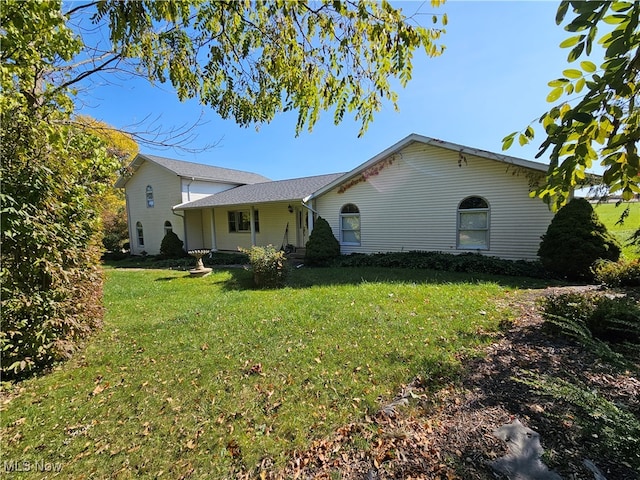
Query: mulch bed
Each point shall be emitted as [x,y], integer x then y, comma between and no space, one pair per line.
[449,434]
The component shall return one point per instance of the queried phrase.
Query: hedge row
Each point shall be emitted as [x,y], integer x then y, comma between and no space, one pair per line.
[466,262]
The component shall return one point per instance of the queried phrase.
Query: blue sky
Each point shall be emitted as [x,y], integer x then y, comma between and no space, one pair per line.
[490,81]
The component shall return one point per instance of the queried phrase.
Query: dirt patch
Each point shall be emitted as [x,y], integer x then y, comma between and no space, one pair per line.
[449,434]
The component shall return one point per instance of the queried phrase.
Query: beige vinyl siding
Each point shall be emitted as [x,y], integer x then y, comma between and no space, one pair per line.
[412,204]
[273,219]
[195,232]
[166,194]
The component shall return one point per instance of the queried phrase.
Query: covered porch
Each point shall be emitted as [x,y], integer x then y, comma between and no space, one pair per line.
[272,213]
[227,228]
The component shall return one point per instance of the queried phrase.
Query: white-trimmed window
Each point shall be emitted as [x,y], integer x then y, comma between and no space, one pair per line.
[140,234]
[473,224]
[350,225]
[168,227]
[149,194]
[240,220]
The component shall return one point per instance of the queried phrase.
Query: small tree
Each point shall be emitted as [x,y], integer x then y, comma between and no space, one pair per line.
[322,246]
[171,246]
[114,228]
[575,239]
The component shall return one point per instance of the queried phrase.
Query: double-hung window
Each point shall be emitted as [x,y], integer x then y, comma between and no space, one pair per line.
[140,234]
[473,224]
[240,221]
[350,225]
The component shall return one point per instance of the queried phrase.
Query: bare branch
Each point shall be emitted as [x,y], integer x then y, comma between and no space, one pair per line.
[150,133]
[87,73]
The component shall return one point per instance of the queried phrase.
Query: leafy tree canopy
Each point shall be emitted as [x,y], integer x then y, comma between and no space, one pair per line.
[249,60]
[597,122]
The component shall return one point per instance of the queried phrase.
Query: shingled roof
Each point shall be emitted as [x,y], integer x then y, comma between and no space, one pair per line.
[278,191]
[197,171]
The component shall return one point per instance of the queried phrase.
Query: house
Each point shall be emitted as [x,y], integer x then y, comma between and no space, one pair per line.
[154,185]
[419,194]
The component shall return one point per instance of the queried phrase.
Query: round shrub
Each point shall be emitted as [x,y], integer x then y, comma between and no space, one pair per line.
[322,247]
[111,242]
[171,246]
[269,266]
[575,239]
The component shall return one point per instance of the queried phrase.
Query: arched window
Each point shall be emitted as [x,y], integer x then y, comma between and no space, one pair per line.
[140,234]
[350,225]
[149,196]
[167,227]
[473,224]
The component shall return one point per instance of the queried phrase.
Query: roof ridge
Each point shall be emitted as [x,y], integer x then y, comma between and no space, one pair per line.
[300,178]
[206,165]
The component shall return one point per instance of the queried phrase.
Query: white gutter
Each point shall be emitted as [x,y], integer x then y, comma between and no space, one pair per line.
[304,204]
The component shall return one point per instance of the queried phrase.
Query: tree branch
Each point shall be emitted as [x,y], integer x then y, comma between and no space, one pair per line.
[87,73]
[79,7]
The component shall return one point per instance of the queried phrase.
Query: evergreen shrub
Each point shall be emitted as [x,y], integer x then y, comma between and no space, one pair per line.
[575,240]
[322,247]
[171,246]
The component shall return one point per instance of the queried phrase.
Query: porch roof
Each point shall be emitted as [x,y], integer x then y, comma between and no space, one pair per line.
[277,191]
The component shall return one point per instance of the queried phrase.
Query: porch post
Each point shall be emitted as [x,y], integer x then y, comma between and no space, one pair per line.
[214,245]
[252,214]
[310,217]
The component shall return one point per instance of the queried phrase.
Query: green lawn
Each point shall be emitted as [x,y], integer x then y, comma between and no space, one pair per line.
[208,377]
[609,214]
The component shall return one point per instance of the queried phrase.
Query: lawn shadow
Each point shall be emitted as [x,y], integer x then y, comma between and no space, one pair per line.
[165,279]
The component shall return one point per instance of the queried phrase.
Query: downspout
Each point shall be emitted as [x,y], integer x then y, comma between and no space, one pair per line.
[189,188]
[184,217]
[310,213]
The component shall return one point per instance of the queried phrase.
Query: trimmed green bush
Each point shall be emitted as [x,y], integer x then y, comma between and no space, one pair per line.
[618,274]
[575,240]
[171,246]
[466,262]
[322,247]
[615,320]
[270,269]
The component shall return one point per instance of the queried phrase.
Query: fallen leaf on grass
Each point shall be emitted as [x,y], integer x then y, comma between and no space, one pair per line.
[99,389]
